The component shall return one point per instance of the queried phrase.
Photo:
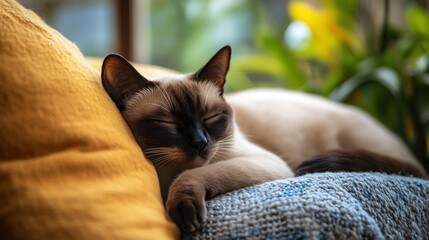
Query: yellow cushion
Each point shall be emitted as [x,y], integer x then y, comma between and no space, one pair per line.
[69,166]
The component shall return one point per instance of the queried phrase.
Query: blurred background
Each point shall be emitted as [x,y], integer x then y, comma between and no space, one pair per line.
[371,54]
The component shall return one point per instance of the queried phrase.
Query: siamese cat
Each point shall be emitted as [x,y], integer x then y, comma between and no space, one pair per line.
[204,143]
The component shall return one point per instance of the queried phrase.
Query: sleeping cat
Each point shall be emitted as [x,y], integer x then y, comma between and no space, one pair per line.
[204,143]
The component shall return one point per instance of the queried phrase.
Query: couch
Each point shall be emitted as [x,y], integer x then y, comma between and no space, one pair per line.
[70,168]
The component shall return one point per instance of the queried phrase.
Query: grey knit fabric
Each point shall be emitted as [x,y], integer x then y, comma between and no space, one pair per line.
[323,206]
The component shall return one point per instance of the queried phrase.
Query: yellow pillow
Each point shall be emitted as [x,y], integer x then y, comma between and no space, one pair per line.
[69,166]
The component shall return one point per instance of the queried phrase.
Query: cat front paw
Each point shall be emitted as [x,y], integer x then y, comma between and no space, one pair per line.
[186,205]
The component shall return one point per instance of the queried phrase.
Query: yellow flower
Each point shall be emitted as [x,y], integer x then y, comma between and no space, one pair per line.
[328,35]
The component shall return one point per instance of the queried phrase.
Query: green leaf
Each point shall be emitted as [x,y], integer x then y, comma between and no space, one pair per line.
[422,96]
[422,65]
[417,20]
[384,76]
[258,64]
[388,78]
[293,75]
[238,81]
[424,79]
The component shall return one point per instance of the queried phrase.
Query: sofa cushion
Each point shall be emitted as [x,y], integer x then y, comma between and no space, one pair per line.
[69,167]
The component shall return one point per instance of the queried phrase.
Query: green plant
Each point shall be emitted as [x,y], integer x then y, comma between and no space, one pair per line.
[387,76]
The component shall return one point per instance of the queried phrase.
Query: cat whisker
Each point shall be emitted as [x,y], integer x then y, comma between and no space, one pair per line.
[225,145]
[155,156]
[228,141]
[158,157]
[229,138]
[221,154]
[166,162]
[157,150]
[224,148]
[155,153]
[161,161]
[163,156]
[166,96]
[226,151]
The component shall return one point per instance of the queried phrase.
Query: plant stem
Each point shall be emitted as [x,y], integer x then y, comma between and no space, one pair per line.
[419,143]
[384,38]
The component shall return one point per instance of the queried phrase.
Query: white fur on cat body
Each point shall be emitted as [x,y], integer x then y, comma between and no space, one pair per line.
[297,126]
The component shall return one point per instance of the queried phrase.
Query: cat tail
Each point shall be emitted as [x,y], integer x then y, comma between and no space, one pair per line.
[358,161]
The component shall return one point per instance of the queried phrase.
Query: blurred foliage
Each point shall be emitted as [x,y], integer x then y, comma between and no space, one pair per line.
[390,81]
[183,34]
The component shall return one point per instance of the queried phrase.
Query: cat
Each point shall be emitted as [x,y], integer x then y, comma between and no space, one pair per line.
[203,142]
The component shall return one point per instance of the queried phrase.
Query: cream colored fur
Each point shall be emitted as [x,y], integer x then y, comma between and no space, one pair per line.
[297,126]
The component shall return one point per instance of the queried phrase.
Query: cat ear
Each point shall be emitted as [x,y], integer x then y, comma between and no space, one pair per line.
[121,80]
[216,69]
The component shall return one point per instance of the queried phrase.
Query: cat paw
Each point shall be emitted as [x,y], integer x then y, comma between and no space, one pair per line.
[186,206]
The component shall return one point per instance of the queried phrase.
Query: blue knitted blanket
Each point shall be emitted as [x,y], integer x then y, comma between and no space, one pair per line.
[323,206]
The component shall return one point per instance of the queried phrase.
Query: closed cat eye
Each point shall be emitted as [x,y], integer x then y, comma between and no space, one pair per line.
[212,117]
[162,121]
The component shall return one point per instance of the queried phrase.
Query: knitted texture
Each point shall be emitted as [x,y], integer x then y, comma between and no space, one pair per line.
[69,166]
[323,206]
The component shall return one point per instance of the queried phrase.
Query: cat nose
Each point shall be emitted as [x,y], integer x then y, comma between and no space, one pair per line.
[198,140]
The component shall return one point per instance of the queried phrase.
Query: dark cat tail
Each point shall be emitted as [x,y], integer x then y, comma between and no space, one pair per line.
[357,161]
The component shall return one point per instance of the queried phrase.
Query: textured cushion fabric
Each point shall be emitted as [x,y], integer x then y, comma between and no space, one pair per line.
[323,206]
[69,167]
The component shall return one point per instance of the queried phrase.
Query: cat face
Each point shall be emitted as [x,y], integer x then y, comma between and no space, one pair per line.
[181,121]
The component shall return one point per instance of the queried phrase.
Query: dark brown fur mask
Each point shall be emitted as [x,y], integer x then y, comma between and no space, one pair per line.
[180,121]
